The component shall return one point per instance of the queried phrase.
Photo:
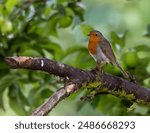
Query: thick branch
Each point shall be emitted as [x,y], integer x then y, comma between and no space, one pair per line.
[42,64]
[80,78]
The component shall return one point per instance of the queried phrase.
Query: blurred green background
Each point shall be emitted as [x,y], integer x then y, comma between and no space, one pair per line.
[57,29]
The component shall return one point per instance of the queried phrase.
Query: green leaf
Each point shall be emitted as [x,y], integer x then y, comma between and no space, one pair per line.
[47,54]
[47,11]
[65,21]
[73,49]
[13,102]
[78,9]
[35,98]
[148,31]
[81,55]
[45,93]
[69,12]
[10,4]
[142,110]
[61,9]
[22,98]
[85,28]
[17,100]
[126,103]
[144,48]
[84,60]
[61,1]
[52,25]
[54,49]
[1,101]
[147,82]
[7,80]
[1,9]
[95,102]
[118,41]
[31,52]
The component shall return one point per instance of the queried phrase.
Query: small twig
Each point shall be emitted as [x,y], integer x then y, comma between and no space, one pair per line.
[52,101]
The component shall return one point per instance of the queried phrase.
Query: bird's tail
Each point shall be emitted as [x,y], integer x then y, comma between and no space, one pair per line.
[125,74]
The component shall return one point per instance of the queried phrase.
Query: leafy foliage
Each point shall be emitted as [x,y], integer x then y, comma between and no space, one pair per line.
[31,28]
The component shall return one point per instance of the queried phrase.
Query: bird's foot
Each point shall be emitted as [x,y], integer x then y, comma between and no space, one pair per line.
[99,72]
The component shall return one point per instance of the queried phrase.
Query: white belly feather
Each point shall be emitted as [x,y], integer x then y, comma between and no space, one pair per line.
[100,56]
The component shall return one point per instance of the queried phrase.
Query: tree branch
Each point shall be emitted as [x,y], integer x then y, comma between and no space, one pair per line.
[77,79]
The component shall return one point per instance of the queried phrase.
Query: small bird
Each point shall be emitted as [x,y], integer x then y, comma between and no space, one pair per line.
[102,52]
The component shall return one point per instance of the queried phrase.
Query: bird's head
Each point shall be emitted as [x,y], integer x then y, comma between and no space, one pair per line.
[95,36]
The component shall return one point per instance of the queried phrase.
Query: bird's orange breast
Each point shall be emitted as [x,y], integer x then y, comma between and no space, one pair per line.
[94,41]
[92,46]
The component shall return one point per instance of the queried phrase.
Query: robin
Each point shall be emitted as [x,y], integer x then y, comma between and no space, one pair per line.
[102,52]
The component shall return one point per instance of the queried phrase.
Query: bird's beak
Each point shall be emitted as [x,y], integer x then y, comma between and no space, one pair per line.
[88,34]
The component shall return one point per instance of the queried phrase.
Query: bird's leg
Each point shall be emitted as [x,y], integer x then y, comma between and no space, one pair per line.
[99,67]
[99,70]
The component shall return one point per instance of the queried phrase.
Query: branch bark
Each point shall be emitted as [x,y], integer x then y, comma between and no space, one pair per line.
[77,79]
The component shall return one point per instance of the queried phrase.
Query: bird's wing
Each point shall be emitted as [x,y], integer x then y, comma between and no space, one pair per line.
[107,50]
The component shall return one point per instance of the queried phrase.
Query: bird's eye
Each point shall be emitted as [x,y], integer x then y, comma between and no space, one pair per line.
[95,34]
